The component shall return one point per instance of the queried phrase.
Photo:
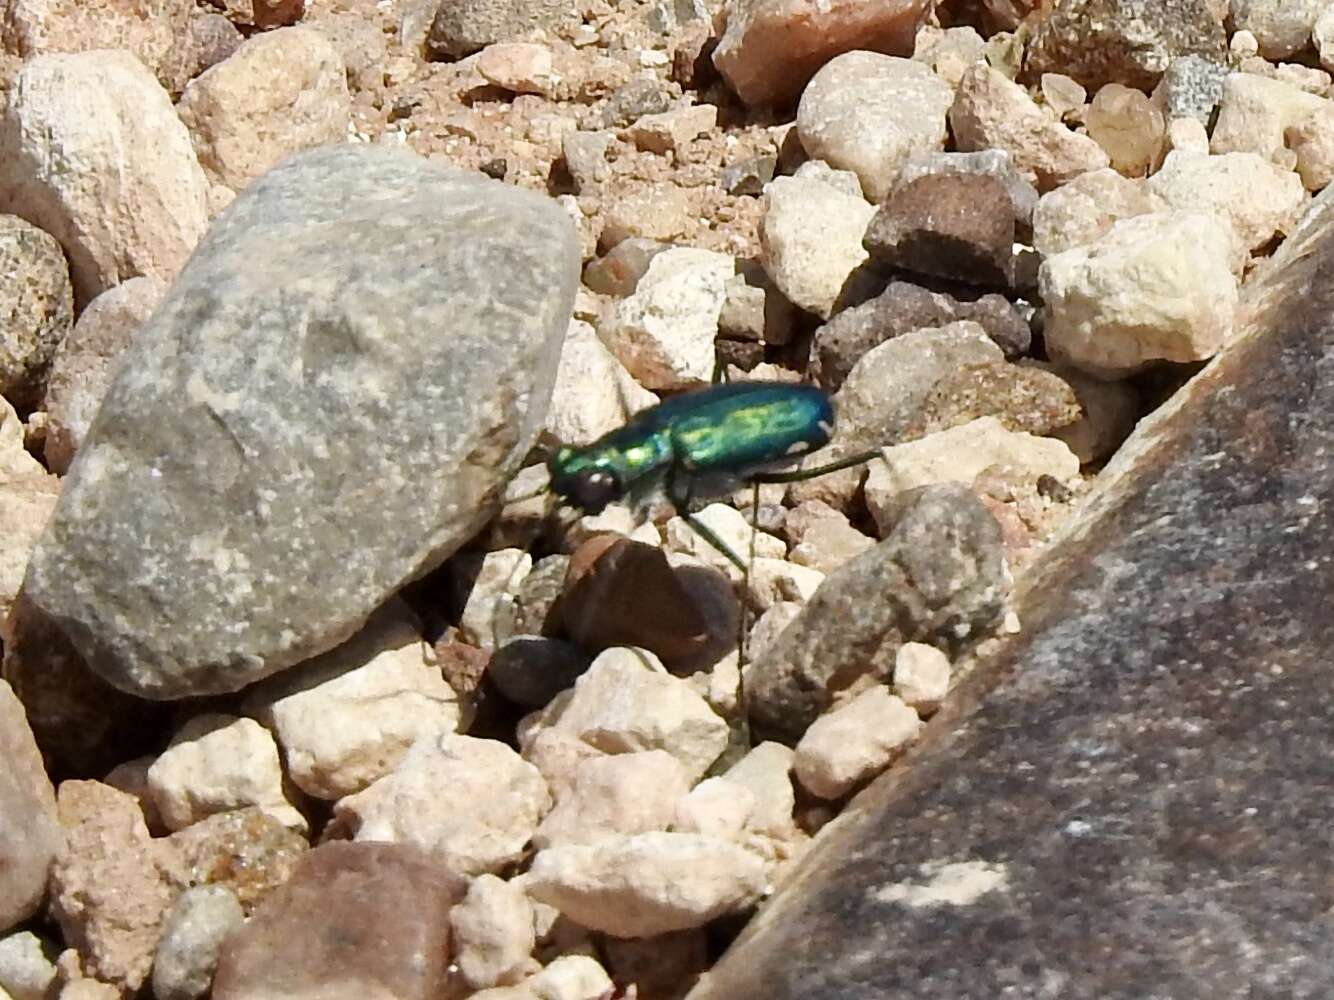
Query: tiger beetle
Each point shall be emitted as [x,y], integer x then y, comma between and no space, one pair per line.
[702,444]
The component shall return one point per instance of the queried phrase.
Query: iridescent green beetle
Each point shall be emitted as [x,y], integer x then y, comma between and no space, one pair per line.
[702,444]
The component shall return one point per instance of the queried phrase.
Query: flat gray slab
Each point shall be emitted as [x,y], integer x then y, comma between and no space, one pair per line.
[1133,800]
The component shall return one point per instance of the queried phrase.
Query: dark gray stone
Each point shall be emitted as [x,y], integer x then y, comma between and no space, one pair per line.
[633,100]
[938,578]
[36,308]
[327,403]
[1131,42]
[901,307]
[1142,775]
[749,176]
[462,27]
[530,670]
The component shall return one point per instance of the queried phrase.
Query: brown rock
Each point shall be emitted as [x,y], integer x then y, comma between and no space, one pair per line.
[1121,41]
[1022,398]
[109,887]
[956,226]
[245,850]
[30,835]
[808,33]
[610,582]
[840,343]
[261,13]
[356,920]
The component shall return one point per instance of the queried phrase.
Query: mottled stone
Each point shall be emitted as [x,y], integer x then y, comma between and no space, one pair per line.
[245,851]
[1131,793]
[355,920]
[808,34]
[1282,28]
[903,307]
[215,483]
[1191,87]
[36,308]
[939,577]
[30,834]
[1023,398]
[1131,42]
[994,163]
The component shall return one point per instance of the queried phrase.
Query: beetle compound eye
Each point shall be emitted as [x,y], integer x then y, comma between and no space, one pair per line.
[595,489]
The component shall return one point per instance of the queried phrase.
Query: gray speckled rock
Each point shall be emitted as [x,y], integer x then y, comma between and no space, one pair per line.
[325,405]
[36,308]
[192,935]
[938,578]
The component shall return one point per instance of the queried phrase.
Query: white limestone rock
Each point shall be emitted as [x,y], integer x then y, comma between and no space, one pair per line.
[663,331]
[811,240]
[281,92]
[626,702]
[594,393]
[921,676]
[492,932]
[1078,213]
[851,744]
[731,526]
[1157,287]
[217,763]
[346,718]
[1255,111]
[474,803]
[647,884]
[498,577]
[615,795]
[868,112]
[715,807]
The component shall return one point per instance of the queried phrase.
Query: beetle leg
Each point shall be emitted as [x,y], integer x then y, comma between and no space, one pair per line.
[800,475]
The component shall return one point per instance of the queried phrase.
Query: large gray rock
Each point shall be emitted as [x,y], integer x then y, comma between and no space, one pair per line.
[1132,799]
[325,406]
[938,578]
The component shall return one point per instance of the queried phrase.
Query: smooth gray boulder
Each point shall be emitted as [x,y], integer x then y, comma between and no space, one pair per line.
[326,404]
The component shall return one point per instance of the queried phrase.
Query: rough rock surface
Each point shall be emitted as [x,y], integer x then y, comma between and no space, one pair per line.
[355,920]
[1176,695]
[942,578]
[214,484]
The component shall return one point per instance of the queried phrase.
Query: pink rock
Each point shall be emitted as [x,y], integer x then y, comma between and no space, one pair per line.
[772,47]
[109,889]
[29,832]
[355,921]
